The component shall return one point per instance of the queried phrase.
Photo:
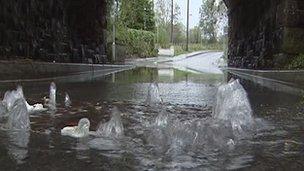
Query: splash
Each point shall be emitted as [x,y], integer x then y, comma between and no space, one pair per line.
[51,102]
[15,108]
[109,134]
[213,133]
[153,98]
[162,119]
[67,100]
[231,120]
[18,117]
[114,128]
[10,97]
[181,138]
[232,105]
[79,131]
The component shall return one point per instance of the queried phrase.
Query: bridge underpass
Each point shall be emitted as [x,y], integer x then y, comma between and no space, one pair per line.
[263,34]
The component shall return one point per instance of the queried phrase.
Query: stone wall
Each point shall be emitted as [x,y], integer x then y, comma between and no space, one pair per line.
[264,34]
[53,30]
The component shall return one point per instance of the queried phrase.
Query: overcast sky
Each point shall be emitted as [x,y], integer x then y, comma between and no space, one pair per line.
[194,11]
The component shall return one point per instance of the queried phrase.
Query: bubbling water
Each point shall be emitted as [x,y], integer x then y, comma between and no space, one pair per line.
[67,100]
[11,96]
[232,117]
[109,134]
[18,116]
[51,102]
[232,105]
[162,119]
[15,108]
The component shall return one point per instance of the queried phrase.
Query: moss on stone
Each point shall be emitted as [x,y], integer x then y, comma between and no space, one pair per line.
[293,40]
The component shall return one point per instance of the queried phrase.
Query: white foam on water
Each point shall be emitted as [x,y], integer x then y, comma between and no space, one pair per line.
[36,108]
[79,131]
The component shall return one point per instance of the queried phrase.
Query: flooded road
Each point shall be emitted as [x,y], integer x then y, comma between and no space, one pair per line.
[188,98]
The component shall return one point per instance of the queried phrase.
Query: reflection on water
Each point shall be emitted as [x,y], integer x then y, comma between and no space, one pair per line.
[18,144]
[171,143]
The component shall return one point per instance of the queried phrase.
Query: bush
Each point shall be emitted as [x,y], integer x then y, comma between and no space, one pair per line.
[138,43]
[181,49]
[297,62]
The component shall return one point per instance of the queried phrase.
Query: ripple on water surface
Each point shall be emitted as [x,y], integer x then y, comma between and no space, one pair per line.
[191,138]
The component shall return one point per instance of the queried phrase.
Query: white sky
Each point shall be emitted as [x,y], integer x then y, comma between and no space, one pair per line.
[193,10]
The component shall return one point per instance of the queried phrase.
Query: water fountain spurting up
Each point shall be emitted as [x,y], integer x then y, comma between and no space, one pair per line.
[113,128]
[18,116]
[155,101]
[51,102]
[109,134]
[67,100]
[162,119]
[232,117]
[232,105]
[11,96]
[15,108]
[153,98]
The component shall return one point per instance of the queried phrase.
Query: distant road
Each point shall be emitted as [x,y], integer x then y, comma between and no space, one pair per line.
[206,62]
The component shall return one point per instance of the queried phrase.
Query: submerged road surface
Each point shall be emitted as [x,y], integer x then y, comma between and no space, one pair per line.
[184,132]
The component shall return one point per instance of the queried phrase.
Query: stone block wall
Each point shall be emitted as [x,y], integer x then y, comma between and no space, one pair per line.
[53,30]
[264,34]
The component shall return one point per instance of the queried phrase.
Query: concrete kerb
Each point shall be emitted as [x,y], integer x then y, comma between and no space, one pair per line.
[293,77]
[14,70]
[183,56]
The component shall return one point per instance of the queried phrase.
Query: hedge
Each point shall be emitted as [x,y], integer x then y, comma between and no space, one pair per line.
[138,43]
